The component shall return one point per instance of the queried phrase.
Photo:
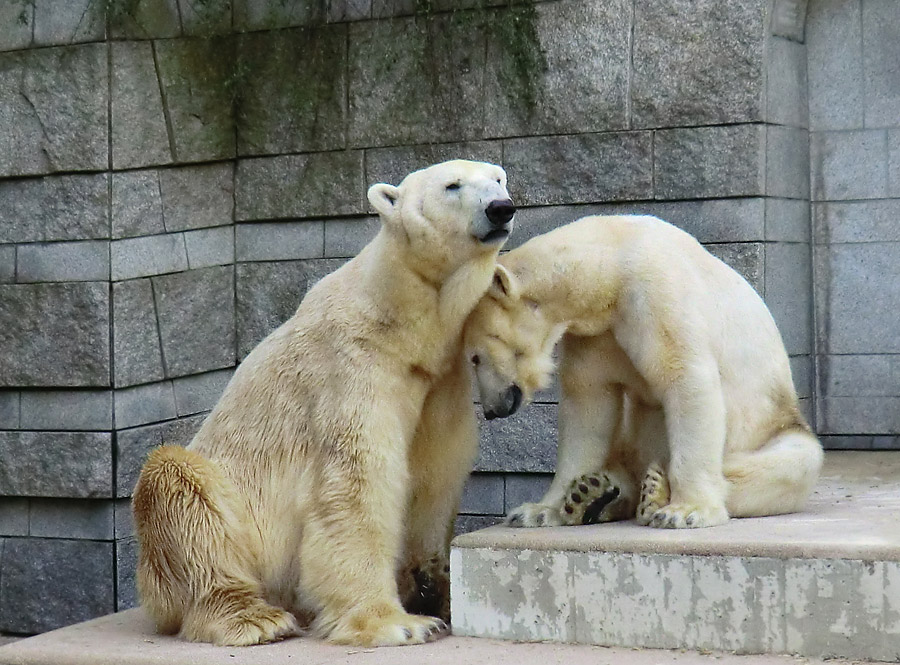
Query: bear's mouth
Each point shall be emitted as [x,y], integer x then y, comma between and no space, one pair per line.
[494,234]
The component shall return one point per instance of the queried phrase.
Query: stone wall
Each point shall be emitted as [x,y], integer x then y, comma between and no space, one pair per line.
[172,181]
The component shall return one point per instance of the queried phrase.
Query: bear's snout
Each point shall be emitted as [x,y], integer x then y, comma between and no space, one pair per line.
[499,212]
[509,403]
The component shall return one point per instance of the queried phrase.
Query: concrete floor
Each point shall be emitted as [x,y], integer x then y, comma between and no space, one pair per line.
[128,638]
[853,515]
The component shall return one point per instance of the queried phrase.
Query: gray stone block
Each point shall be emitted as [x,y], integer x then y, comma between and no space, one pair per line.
[133,446]
[55,208]
[846,442]
[345,238]
[803,375]
[54,334]
[525,442]
[68,22]
[580,169]
[36,570]
[349,10]
[747,258]
[279,241]
[209,247]
[482,495]
[56,99]
[787,162]
[857,221]
[405,73]
[850,415]
[9,409]
[136,342]
[315,185]
[525,488]
[195,197]
[391,165]
[7,263]
[296,98]
[881,53]
[146,19]
[148,255]
[83,261]
[788,294]
[149,403]
[205,19]
[860,375]
[66,409]
[848,165]
[584,84]
[698,62]
[271,14]
[126,571]
[13,516]
[268,294]
[715,221]
[710,162]
[67,518]
[16,21]
[123,516]
[139,133]
[894,163]
[136,204]
[786,83]
[788,19]
[787,220]
[858,312]
[199,393]
[56,464]
[835,70]
[469,523]
[196,320]
[195,75]
[886,443]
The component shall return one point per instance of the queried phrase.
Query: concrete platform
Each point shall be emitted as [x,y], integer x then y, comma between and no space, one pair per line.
[822,583]
[127,638]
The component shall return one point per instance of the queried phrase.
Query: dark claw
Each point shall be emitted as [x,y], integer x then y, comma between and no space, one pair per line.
[583,489]
[407,633]
[594,481]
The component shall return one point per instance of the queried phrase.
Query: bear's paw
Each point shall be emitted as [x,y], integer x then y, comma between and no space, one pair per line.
[534,515]
[594,498]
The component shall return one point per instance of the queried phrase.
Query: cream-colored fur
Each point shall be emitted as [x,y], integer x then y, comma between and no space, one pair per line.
[323,486]
[669,360]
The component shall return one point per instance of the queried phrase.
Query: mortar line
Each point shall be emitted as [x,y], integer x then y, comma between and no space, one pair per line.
[170,131]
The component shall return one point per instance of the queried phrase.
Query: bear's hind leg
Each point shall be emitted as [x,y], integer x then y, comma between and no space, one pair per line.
[777,478]
[194,562]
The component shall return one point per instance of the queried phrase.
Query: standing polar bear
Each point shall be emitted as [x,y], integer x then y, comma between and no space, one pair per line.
[329,472]
[670,364]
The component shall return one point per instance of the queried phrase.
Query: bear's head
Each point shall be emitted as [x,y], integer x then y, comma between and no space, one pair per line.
[449,211]
[510,343]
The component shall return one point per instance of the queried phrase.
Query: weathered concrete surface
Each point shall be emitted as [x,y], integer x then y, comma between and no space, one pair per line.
[821,583]
[128,638]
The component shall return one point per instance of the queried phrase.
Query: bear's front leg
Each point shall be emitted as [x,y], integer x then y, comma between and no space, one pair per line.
[589,415]
[441,457]
[695,418]
[352,541]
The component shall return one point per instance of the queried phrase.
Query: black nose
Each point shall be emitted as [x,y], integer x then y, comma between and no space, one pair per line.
[512,400]
[500,212]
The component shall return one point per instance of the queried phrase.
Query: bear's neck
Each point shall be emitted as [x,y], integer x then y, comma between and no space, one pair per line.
[576,287]
[417,299]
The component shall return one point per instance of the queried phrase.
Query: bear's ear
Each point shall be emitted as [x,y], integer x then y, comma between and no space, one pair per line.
[504,285]
[384,198]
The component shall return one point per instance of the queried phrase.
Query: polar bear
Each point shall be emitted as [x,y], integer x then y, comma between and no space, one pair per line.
[324,483]
[669,363]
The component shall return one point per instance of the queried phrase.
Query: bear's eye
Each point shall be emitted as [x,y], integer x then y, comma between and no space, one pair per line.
[519,354]
[476,360]
[452,187]
[498,181]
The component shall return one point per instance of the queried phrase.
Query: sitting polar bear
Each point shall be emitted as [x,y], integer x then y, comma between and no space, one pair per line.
[330,470]
[669,360]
